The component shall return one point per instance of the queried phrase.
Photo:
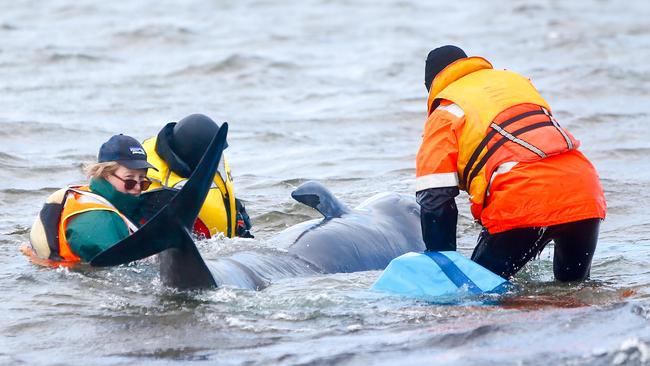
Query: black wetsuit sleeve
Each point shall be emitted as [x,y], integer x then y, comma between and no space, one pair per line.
[438,217]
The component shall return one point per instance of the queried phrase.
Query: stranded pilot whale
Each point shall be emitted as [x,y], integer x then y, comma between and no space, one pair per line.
[368,237]
[345,240]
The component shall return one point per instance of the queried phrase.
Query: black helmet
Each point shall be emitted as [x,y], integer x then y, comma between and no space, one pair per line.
[191,137]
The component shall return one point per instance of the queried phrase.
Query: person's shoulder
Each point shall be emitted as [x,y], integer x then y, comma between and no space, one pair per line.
[446,115]
[451,108]
[96,221]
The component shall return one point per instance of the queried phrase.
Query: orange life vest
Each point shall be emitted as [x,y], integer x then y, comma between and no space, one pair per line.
[80,200]
[506,120]
[508,128]
[74,200]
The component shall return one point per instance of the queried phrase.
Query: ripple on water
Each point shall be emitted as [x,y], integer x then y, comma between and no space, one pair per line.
[11,161]
[236,63]
[632,351]
[152,32]
[33,129]
[72,57]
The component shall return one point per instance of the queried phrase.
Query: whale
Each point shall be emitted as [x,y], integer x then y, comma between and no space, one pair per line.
[365,238]
[344,240]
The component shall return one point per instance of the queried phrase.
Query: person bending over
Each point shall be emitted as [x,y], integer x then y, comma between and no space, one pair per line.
[490,133]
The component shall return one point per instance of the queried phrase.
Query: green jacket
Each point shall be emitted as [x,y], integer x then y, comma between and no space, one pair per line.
[92,232]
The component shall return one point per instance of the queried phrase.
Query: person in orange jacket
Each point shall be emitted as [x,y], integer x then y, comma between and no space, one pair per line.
[490,133]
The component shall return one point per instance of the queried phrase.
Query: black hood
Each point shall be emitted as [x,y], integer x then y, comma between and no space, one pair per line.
[164,148]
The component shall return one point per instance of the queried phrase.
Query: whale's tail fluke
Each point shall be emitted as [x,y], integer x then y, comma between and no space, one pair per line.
[316,196]
[170,228]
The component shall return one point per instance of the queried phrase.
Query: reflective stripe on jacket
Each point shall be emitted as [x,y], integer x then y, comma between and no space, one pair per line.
[485,122]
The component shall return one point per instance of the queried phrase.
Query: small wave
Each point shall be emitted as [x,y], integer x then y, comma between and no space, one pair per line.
[642,311]
[176,354]
[329,182]
[601,118]
[27,128]
[452,340]
[19,230]
[76,157]
[287,183]
[27,192]
[632,351]
[235,63]
[280,220]
[629,153]
[271,137]
[60,57]
[232,63]
[395,69]
[7,159]
[617,73]
[527,9]
[638,30]
[404,171]
[167,32]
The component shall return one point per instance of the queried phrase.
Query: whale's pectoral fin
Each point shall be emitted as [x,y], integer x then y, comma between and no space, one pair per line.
[172,225]
[164,231]
[154,201]
[316,196]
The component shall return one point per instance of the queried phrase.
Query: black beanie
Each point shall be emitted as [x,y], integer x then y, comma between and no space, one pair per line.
[438,59]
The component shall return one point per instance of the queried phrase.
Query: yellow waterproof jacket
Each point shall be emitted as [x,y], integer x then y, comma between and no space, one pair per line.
[218,213]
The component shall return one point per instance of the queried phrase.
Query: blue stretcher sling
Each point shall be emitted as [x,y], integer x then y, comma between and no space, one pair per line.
[437,274]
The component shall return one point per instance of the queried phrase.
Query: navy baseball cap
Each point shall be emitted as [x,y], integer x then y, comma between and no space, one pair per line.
[124,150]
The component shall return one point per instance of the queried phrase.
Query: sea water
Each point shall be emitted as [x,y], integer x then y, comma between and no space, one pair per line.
[330,90]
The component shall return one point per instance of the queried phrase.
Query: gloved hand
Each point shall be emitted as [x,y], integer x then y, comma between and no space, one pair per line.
[438,217]
[243,221]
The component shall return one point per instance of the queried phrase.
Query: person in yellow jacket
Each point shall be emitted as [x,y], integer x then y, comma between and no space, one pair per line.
[175,152]
[78,222]
[490,133]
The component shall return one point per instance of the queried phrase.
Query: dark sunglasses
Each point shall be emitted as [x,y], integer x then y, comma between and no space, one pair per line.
[129,184]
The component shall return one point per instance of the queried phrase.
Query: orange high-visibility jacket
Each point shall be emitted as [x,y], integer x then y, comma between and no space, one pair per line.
[490,133]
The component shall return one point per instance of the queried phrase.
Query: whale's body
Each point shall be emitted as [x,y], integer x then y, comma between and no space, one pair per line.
[365,238]
[345,240]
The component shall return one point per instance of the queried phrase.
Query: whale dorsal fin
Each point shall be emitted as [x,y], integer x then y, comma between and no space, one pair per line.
[316,196]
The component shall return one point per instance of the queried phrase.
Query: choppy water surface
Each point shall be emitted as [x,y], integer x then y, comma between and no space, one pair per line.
[318,89]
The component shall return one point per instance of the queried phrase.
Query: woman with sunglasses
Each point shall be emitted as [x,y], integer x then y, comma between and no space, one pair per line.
[79,222]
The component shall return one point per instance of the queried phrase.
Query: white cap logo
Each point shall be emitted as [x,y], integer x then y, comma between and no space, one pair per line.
[137,151]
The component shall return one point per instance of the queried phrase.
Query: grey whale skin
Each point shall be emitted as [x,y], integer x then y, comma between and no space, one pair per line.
[368,237]
[345,240]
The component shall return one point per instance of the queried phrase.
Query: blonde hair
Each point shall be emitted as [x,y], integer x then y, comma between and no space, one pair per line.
[100,170]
